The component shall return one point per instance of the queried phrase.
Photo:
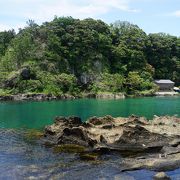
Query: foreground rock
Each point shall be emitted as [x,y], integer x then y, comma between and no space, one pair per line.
[144,144]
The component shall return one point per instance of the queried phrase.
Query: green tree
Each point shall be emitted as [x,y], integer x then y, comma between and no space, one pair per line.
[128,47]
[162,53]
[5,39]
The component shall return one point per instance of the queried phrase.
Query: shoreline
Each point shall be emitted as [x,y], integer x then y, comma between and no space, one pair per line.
[36,97]
[50,97]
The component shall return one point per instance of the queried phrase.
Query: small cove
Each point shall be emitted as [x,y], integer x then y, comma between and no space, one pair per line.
[22,157]
[35,115]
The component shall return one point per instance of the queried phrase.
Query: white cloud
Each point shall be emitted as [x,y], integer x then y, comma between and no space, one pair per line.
[176,13]
[45,10]
[88,8]
[172,14]
[122,5]
[4,27]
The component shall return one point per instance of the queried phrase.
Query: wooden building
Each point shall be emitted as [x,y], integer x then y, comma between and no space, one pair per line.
[165,84]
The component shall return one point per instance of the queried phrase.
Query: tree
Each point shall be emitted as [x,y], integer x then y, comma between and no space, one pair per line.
[128,47]
[5,39]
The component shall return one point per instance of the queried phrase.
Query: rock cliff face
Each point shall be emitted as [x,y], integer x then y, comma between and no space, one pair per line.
[110,96]
[151,144]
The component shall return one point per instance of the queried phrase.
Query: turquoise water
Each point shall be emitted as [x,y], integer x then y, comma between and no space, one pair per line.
[38,114]
[24,158]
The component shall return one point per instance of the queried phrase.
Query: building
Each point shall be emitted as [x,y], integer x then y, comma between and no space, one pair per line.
[165,84]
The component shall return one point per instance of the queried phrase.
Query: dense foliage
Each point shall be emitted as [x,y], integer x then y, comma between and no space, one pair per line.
[69,55]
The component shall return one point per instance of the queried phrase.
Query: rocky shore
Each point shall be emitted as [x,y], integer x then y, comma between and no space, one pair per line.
[48,97]
[143,144]
[105,95]
[35,97]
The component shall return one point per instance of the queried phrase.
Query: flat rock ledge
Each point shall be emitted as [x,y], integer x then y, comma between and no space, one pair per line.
[106,95]
[143,144]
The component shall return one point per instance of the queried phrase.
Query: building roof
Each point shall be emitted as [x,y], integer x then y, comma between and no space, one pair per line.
[164,81]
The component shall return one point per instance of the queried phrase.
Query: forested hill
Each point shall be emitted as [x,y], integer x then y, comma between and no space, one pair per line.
[69,55]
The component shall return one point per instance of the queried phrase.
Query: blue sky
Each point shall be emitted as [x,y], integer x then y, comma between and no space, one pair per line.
[151,15]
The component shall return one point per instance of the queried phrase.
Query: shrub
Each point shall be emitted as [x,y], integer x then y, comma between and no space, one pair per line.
[109,83]
[26,86]
[135,83]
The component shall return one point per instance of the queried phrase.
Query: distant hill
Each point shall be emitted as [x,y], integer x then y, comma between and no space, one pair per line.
[72,56]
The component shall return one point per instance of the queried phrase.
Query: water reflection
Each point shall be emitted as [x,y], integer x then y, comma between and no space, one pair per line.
[22,157]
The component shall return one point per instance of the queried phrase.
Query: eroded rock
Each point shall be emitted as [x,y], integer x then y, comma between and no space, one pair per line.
[145,144]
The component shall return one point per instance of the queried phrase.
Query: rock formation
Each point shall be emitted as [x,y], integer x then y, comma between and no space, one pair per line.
[143,144]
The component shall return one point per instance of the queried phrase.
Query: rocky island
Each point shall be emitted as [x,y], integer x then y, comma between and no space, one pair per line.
[143,144]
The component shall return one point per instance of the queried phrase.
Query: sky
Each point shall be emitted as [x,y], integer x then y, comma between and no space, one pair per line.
[152,16]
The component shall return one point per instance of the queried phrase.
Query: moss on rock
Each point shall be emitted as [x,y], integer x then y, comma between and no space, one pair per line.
[69,148]
[34,134]
[89,156]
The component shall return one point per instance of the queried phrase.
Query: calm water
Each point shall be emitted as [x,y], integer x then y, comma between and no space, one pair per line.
[22,157]
[39,114]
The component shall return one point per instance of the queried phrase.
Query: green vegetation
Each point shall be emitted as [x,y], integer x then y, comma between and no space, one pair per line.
[69,148]
[33,134]
[90,156]
[75,56]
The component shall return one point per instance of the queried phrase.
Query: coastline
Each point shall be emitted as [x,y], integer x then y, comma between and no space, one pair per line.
[49,97]
[36,97]
[103,95]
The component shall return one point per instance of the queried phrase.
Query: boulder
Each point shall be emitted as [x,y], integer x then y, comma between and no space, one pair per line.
[6,98]
[101,121]
[161,176]
[75,135]
[110,96]
[25,74]
[60,124]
